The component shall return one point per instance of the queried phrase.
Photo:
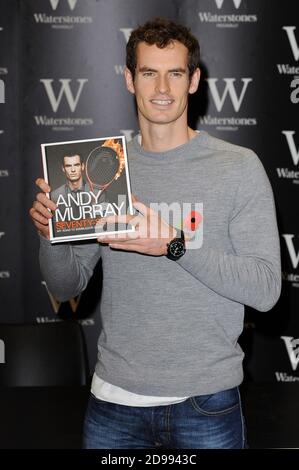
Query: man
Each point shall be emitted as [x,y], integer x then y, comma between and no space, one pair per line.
[73,168]
[169,364]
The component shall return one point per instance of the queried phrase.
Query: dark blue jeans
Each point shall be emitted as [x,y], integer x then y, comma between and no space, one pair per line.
[200,422]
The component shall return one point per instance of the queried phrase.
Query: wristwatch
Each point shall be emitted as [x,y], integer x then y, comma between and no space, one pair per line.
[176,247]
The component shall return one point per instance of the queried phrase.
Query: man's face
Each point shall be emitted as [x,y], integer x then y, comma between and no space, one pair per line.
[162,83]
[73,168]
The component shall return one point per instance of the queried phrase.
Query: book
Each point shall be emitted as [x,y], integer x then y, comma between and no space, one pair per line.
[89,180]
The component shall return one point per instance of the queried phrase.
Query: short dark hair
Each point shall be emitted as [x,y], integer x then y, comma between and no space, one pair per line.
[67,155]
[162,32]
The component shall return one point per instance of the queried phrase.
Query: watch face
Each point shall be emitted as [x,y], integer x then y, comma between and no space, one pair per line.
[177,248]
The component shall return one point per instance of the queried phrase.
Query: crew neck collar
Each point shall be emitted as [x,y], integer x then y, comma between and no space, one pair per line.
[172,153]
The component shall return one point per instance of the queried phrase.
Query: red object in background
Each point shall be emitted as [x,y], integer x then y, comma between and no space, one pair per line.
[193,220]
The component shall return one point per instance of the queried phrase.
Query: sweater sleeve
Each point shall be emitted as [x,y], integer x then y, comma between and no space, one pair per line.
[251,273]
[67,267]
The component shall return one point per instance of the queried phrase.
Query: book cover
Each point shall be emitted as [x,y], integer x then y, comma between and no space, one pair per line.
[89,180]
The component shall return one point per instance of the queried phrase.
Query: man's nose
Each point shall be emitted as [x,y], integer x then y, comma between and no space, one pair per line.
[162,84]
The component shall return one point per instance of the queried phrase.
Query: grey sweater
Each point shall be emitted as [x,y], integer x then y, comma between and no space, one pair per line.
[170,328]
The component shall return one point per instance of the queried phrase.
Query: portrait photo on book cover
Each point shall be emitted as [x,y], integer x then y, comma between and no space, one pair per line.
[89,180]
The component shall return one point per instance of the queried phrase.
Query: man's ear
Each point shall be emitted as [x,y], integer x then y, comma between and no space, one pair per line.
[62,167]
[129,81]
[194,81]
[82,166]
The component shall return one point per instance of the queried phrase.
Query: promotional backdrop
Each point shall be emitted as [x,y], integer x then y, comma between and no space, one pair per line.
[61,78]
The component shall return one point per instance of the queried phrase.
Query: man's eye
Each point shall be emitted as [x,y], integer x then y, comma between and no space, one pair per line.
[176,74]
[148,74]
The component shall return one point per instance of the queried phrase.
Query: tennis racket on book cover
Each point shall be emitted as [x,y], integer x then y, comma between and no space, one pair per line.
[102,166]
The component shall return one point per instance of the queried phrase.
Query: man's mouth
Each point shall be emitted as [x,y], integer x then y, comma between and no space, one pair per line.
[162,102]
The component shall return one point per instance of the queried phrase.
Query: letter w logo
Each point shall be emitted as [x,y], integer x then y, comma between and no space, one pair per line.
[290,245]
[219,3]
[72,4]
[74,303]
[292,147]
[292,40]
[229,89]
[64,89]
[126,32]
[293,352]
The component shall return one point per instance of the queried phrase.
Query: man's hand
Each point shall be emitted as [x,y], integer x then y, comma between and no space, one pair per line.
[40,212]
[151,234]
